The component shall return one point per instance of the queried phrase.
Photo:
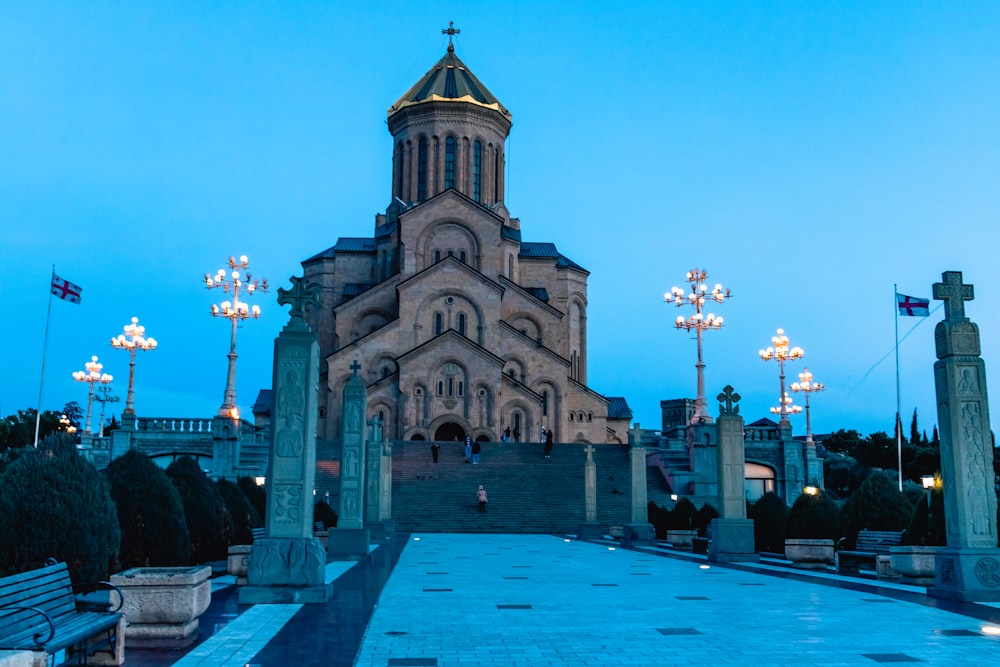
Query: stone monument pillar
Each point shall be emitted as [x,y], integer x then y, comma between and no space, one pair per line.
[731,535]
[968,568]
[378,509]
[639,532]
[289,565]
[350,540]
[590,529]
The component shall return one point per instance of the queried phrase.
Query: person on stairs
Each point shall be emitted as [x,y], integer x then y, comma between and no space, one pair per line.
[548,444]
[468,448]
[476,448]
[481,497]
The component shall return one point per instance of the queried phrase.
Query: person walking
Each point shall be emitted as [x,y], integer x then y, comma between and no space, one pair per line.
[434,450]
[481,497]
[506,434]
[548,444]
[476,448]
[468,449]
[517,435]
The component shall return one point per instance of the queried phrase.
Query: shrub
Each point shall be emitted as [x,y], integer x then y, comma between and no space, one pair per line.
[323,512]
[812,517]
[150,513]
[243,514]
[257,496]
[57,506]
[659,517]
[769,515]
[207,519]
[704,517]
[682,516]
[876,505]
[927,525]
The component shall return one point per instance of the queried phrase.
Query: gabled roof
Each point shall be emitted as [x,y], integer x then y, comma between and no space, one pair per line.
[508,232]
[344,244]
[449,81]
[764,422]
[618,408]
[262,406]
[351,290]
[539,293]
[540,250]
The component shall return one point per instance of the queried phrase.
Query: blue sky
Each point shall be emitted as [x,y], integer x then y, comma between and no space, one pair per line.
[808,155]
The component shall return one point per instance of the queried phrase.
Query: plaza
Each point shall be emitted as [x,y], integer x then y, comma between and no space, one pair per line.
[553,600]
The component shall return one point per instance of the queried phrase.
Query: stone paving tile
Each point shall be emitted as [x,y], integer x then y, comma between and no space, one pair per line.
[573,622]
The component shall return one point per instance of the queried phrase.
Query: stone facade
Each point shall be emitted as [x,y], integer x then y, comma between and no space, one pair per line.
[460,327]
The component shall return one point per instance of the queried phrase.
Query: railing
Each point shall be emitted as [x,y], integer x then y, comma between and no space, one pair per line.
[174,425]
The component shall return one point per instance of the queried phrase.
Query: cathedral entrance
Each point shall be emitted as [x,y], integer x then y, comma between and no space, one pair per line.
[449,431]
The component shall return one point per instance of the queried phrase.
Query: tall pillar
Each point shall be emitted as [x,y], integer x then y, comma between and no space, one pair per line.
[639,531]
[289,565]
[968,568]
[350,539]
[731,535]
[590,529]
[378,507]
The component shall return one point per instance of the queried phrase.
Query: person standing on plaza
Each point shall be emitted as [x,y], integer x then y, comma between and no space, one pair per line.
[476,448]
[548,444]
[481,497]
[434,450]
[468,448]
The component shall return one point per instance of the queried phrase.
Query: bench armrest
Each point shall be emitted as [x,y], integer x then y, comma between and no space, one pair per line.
[103,585]
[38,636]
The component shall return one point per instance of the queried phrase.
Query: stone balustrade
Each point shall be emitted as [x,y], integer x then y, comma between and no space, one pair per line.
[174,425]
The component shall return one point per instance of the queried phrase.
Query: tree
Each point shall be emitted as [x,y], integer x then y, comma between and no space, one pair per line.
[914,431]
[207,519]
[19,428]
[55,504]
[74,413]
[877,505]
[150,513]
[843,442]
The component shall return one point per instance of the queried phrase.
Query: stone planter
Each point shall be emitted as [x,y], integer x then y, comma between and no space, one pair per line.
[682,539]
[162,604]
[237,561]
[323,536]
[809,554]
[914,564]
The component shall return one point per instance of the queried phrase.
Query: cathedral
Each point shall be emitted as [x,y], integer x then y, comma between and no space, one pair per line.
[460,327]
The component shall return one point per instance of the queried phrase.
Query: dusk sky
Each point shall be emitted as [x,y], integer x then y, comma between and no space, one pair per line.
[808,155]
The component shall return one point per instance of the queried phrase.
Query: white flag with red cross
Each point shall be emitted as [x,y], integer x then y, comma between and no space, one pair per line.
[912,307]
[66,290]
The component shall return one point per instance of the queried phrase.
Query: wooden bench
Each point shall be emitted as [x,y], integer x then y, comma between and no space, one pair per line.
[258,533]
[38,612]
[869,547]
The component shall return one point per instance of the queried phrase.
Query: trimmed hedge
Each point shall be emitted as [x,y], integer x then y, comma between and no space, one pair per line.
[876,505]
[207,519]
[812,517]
[243,514]
[769,514]
[150,513]
[256,494]
[55,504]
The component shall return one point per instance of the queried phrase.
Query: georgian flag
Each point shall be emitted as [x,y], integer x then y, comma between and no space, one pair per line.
[66,290]
[912,307]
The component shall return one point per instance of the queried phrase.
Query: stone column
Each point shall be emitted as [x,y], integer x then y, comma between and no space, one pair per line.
[289,565]
[590,529]
[377,505]
[968,568]
[639,532]
[731,535]
[350,540]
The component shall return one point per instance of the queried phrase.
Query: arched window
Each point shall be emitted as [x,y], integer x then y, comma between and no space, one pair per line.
[477,170]
[386,372]
[440,387]
[512,373]
[437,256]
[451,386]
[545,402]
[590,416]
[449,162]
[398,167]
[571,416]
[461,323]
[461,388]
[510,267]
[422,169]
[438,323]
[496,176]
[461,256]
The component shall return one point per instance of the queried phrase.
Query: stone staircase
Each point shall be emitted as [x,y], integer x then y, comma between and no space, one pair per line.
[527,492]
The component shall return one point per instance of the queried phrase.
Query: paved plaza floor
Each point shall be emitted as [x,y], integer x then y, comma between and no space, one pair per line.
[469,600]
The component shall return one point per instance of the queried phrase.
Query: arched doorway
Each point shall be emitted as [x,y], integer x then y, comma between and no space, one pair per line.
[449,431]
[418,436]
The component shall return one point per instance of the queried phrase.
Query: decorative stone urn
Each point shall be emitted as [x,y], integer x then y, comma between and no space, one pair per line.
[809,554]
[162,604]
[914,564]
[682,539]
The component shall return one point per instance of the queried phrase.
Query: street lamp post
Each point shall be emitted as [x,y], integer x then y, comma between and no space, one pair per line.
[104,397]
[134,338]
[236,311]
[91,376]
[780,351]
[698,297]
[807,385]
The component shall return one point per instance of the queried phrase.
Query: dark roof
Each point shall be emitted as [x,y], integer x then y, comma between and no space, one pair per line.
[618,408]
[539,293]
[509,232]
[354,244]
[536,250]
[351,290]
[764,422]
[263,403]
[449,80]
[326,254]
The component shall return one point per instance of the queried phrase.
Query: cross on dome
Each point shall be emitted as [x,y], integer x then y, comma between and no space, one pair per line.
[451,31]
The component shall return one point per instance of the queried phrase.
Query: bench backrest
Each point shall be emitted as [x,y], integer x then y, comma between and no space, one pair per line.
[877,540]
[48,588]
[258,533]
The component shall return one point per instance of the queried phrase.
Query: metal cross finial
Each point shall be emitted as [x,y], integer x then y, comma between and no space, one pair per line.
[302,294]
[954,294]
[728,400]
[451,31]
[355,366]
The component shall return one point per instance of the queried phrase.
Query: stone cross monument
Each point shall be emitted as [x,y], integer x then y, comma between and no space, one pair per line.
[969,567]
[289,565]
[731,535]
[350,539]
[590,529]
[378,501]
[639,531]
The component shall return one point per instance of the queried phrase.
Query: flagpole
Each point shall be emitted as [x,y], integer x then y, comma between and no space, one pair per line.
[899,429]
[45,345]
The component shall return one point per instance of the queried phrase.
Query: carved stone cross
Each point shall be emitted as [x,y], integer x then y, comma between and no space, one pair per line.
[301,295]
[355,366]
[728,400]
[954,294]
[590,453]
